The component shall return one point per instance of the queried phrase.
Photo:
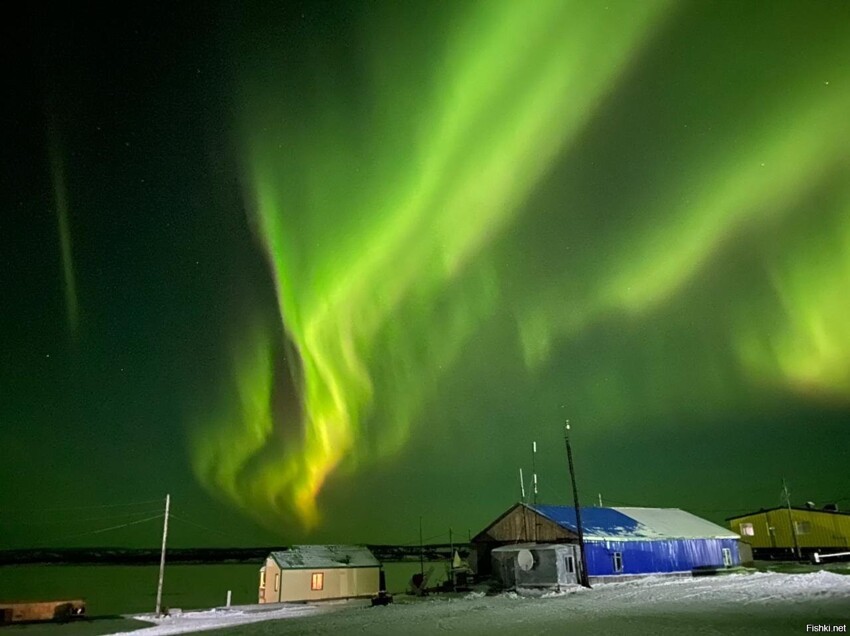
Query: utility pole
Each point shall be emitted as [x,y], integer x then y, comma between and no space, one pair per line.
[421,553]
[162,557]
[787,496]
[451,559]
[583,579]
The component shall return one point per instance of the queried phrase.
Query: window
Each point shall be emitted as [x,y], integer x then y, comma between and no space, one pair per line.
[276,582]
[317,581]
[262,578]
[727,557]
[802,527]
[570,566]
[747,530]
[618,561]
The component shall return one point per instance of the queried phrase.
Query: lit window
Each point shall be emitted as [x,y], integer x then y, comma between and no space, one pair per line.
[618,561]
[747,530]
[317,582]
[276,582]
[803,527]
[262,578]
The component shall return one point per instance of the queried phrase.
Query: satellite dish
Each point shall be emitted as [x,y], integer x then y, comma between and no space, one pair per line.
[525,560]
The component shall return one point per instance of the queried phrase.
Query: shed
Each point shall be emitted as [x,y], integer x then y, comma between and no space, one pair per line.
[319,572]
[620,542]
[536,565]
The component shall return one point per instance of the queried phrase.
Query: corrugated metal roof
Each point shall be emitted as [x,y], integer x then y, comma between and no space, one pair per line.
[324,557]
[634,523]
[676,523]
[596,522]
[800,508]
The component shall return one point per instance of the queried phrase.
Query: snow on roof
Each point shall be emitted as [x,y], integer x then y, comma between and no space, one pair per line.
[676,523]
[635,523]
[324,557]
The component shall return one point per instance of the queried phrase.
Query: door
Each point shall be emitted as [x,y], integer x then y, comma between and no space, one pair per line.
[570,568]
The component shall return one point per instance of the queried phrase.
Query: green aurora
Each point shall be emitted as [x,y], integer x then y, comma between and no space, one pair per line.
[320,269]
[616,212]
[60,194]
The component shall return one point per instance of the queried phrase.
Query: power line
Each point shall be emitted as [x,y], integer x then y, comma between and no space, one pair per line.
[110,528]
[416,541]
[66,520]
[90,507]
[118,527]
[198,525]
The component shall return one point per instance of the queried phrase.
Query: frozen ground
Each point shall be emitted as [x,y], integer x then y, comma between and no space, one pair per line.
[760,603]
[205,620]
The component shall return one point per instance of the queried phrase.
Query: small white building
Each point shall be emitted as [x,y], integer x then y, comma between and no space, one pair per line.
[537,565]
[319,572]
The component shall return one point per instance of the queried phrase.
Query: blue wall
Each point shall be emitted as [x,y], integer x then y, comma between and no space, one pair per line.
[667,555]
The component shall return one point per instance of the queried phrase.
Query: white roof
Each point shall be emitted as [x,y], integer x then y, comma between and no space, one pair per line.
[677,524]
[324,557]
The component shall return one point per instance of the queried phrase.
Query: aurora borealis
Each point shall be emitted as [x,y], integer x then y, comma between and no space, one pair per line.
[340,263]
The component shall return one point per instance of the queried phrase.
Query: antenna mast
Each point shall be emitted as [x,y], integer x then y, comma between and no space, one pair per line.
[533,469]
[787,497]
[521,486]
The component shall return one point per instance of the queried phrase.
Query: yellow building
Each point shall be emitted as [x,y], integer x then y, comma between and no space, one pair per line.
[318,573]
[777,532]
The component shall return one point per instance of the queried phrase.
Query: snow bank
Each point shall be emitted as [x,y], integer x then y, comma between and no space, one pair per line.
[736,603]
[197,621]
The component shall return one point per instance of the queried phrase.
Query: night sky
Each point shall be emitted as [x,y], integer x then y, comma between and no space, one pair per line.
[319,269]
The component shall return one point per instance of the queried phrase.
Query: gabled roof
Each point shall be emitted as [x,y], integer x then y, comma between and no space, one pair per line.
[596,522]
[315,557]
[635,523]
[673,522]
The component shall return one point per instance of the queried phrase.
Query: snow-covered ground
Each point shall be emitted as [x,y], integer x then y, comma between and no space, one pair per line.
[758,603]
[217,618]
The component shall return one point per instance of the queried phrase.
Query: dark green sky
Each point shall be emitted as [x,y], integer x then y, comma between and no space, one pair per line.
[321,269]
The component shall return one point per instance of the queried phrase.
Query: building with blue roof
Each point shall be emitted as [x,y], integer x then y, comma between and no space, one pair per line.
[619,542]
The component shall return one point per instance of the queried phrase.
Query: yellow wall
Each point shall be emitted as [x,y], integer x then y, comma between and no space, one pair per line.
[268,594]
[826,529]
[294,585]
[338,583]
